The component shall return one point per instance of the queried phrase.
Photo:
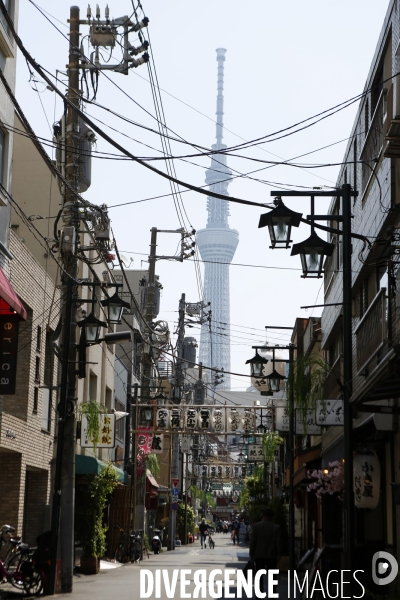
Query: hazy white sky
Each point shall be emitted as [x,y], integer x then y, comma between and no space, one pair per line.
[285,61]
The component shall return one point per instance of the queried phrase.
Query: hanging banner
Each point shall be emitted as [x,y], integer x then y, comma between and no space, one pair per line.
[9,325]
[185,443]
[106,432]
[204,419]
[144,443]
[366,480]
[329,412]
[157,446]
[217,420]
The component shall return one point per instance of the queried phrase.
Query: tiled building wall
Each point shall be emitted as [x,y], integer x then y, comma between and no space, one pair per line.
[27,447]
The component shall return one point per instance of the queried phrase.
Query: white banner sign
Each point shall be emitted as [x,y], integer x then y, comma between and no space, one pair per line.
[282,419]
[106,432]
[329,412]
[255,452]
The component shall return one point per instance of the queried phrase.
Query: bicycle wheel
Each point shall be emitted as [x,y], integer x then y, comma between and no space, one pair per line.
[32,579]
[136,553]
[120,554]
[14,565]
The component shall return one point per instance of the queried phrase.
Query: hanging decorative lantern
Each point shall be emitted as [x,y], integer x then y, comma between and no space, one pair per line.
[204,419]
[244,470]
[190,419]
[162,418]
[228,470]
[236,470]
[217,420]
[204,470]
[220,471]
[213,471]
[234,420]
[175,418]
[280,221]
[248,420]
[366,479]
[257,364]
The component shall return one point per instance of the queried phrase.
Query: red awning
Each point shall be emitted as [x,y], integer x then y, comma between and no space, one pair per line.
[10,297]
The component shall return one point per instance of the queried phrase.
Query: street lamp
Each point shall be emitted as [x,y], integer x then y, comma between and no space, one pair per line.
[257,364]
[91,327]
[115,306]
[312,253]
[161,399]
[280,221]
[274,381]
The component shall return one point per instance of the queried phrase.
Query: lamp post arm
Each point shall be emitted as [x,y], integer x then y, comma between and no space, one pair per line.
[334,230]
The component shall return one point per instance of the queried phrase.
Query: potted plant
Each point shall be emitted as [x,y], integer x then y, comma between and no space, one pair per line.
[92,497]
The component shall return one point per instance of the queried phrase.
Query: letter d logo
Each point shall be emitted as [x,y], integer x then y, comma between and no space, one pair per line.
[384,568]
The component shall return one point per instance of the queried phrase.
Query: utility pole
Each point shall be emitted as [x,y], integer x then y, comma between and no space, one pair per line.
[177,399]
[63,507]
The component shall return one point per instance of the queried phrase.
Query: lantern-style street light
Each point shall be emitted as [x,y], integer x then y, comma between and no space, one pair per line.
[280,221]
[274,381]
[312,254]
[161,399]
[91,326]
[115,306]
[257,364]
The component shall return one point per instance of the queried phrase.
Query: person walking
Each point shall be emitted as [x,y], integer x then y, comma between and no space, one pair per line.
[265,543]
[235,531]
[203,528]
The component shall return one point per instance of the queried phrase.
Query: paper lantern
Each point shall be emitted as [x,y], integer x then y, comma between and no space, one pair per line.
[163,418]
[217,420]
[366,480]
[204,419]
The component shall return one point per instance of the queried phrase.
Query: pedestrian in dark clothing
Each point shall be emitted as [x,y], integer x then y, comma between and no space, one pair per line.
[203,528]
[265,543]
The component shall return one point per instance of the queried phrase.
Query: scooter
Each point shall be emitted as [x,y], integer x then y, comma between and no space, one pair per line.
[156,544]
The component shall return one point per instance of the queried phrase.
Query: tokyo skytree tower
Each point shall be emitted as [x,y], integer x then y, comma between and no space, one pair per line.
[217,244]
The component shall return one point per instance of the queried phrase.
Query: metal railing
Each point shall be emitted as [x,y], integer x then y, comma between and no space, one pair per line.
[371,332]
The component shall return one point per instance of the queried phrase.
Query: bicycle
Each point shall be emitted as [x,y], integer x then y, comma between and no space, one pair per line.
[26,575]
[17,552]
[120,553]
[136,546]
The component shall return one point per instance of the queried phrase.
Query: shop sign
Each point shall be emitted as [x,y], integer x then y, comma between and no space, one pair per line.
[9,325]
[366,480]
[329,412]
[107,432]
[157,445]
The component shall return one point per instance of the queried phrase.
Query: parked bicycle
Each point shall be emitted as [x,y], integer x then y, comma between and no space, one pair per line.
[20,570]
[211,542]
[129,546]
[16,554]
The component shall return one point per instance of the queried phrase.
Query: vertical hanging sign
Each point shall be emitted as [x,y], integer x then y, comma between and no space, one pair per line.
[8,352]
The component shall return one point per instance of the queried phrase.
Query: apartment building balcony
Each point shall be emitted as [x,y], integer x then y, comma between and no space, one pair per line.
[372,332]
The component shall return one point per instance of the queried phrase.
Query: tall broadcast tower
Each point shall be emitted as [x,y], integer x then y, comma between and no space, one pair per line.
[217,244]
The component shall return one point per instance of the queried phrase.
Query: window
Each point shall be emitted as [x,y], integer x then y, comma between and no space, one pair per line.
[363,298]
[7,4]
[92,387]
[366,117]
[37,370]
[39,339]
[46,404]
[2,155]
[376,89]
[35,399]
[355,165]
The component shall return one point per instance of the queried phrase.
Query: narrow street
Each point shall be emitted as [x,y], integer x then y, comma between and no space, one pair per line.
[124,582]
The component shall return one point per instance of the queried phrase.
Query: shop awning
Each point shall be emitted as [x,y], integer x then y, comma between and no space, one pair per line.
[89,465]
[8,297]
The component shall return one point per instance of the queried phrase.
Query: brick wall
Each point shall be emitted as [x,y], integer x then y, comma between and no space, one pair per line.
[32,446]
[36,485]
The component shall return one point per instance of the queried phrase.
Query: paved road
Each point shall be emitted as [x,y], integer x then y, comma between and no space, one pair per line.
[123,583]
